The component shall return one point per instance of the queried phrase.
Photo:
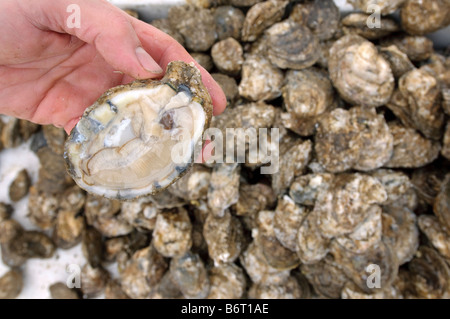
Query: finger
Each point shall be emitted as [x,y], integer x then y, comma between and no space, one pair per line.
[165,49]
[70,125]
[207,151]
[97,18]
[67,91]
[104,26]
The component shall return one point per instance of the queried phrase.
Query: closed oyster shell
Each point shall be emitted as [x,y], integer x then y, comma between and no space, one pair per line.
[262,16]
[355,265]
[142,273]
[360,74]
[421,17]
[260,79]
[19,187]
[195,25]
[312,246]
[228,56]
[189,274]
[357,23]
[398,186]
[53,178]
[411,150]
[42,208]
[343,207]
[194,185]
[287,221]
[326,276]
[69,226]
[32,244]
[254,198]
[430,274]
[172,233]
[399,61]
[307,93]
[124,145]
[104,215]
[11,284]
[438,235]
[227,282]
[366,235]
[291,45]
[417,48]
[140,213]
[337,142]
[274,252]
[418,103]
[60,290]
[428,180]
[292,163]
[358,138]
[224,188]
[323,19]
[305,189]
[259,270]
[376,139]
[224,238]
[401,232]
[229,22]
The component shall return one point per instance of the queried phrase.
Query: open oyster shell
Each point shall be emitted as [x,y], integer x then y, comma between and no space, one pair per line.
[138,139]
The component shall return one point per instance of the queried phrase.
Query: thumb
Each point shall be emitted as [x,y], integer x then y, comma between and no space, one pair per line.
[106,27]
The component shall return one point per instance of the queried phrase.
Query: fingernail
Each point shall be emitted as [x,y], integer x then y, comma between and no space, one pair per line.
[147,61]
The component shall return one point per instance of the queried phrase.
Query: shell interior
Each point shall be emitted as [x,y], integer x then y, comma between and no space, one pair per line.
[137,141]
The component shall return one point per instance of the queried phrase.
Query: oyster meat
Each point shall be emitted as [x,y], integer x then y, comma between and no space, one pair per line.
[138,139]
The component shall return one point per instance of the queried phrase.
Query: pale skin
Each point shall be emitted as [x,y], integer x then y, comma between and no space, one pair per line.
[50,73]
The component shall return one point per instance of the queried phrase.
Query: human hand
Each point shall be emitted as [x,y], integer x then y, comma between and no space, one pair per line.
[50,73]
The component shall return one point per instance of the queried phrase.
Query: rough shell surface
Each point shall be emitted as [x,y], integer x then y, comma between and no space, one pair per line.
[195,25]
[190,275]
[229,22]
[359,73]
[227,282]
[172,233]
[422,17]
[417,48]
[262,16]
[291,45]
[228,56]
[411,149]
[224,238]
[357,23]
[260,79]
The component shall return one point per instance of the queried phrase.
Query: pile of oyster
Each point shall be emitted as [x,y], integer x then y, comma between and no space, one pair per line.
[360,204]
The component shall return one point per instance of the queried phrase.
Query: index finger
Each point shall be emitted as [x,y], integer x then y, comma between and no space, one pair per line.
[165,49]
